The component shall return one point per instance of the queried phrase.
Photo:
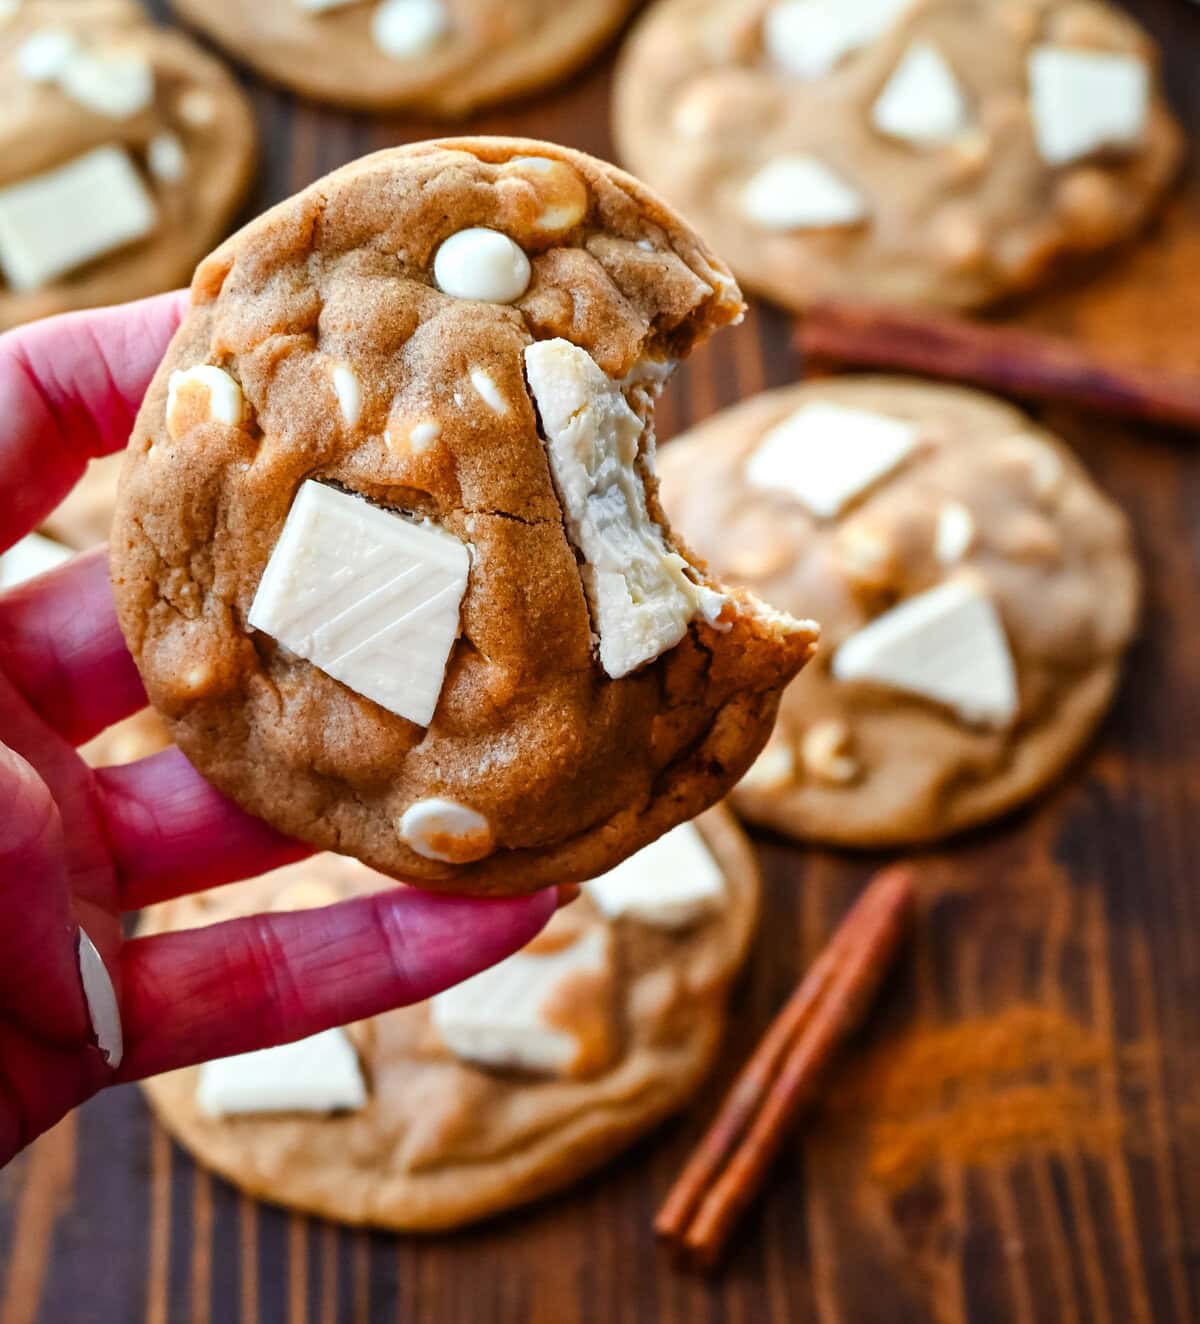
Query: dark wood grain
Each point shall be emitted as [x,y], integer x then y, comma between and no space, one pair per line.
[1087,904]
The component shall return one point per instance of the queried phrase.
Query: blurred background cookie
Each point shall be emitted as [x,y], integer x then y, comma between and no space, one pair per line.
[508,1087]
[976,594]
[948,153]
[124,151]
[440,57]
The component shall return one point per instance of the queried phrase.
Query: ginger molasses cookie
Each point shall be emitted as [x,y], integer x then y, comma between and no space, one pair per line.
[388,549]
[976,594]
[437,57]
[947,152]
[501,1090]
[124,151]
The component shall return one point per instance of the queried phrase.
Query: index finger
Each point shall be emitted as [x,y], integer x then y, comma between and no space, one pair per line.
[70,388]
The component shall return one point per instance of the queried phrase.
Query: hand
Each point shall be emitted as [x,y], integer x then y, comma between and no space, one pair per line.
[78,848]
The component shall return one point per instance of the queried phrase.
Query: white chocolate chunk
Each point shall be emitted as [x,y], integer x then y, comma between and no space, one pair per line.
[202,393]
[43,55]
[348,390]
[800,193]
[406,29]
[671,884]
[774,768]
[946,644]
[114,85]
[488,391]
[197,107]
[52,223]
[503,1018]
[825,749]
[441,829]
[482,264]
[166,157]
[34,555]
[319,1074]
[955,533]
[922,102]
[808,38]
[368,596]
[424,435]
[1085,100]
[826,454]
[640,593]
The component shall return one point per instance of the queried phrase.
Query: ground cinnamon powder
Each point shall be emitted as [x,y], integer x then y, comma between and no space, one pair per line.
[979,1092]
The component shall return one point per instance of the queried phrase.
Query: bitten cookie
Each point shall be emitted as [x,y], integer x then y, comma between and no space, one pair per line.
[124,151]
[389,552]
[508,1087]
[439,57]
[976,594]
[947,152]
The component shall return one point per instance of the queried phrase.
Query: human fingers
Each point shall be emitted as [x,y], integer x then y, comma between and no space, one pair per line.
[171,832]
[269,979]
[70,388]
[62,648]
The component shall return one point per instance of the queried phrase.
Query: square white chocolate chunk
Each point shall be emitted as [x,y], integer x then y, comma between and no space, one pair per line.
[505,1017]
[922,102]
[640,593]
[827,454]
[52,223]
[370,597]
[946,644]
[800,193]
[34,555]
[1085,100]
[671,884]
[808,38]
[319,1074]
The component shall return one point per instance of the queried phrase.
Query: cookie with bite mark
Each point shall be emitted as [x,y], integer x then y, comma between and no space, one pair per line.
[389,552]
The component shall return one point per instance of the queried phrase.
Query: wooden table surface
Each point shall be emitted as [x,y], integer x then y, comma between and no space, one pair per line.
[1077,921]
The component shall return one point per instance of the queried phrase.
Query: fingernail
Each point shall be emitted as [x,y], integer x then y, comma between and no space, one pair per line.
[568,892]
[102,1002]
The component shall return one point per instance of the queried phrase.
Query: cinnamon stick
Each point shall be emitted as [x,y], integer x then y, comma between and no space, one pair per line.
[1002,358]
[786,1071]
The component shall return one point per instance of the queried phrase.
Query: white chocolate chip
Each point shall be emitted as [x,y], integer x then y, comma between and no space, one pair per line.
[320,1074]
[482,264]
[197,107]
[348,390]
[809,38]
[166,158]
[825,749]
[671,884]
[440,829]
[424,435]
[44,54]
[955,533]
[563,194]
[1086,100]
[798,193]
[117,86]
[406,29]
[488,391]
[922,102]
[201,394]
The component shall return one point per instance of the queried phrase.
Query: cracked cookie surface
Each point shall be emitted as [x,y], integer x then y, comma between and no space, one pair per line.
[124,151]
[441,1140]
[1023,572]
[947,152]
[320,347]
[442,57]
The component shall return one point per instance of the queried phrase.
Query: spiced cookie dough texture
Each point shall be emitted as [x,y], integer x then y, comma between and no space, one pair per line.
[942,152]
[976,594]
[389,551]
[511,1085]
[438,57]
[124,150]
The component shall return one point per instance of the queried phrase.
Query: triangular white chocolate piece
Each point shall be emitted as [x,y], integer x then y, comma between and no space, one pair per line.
[319,1074]
[1084,100]
[505,1017]
[800,193]
[370,597]
[826,454]
[947,644]
[671,884]
[922,102]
